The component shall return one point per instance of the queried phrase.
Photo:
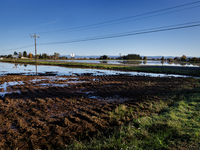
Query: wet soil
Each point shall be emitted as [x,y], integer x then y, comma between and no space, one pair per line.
[53,111]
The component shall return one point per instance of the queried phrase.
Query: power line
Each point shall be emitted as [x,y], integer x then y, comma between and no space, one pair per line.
[15,40]
[111,22]
[152,28]
[18,48]
[125,18]
[130,33]
[122,34]
[121,21]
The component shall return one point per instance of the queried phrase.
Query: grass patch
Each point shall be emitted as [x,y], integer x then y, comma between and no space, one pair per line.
[168,126]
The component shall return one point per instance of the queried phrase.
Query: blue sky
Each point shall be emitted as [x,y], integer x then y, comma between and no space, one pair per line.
[20,18]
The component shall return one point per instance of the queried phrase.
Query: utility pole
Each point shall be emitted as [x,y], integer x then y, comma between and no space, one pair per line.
[35,35]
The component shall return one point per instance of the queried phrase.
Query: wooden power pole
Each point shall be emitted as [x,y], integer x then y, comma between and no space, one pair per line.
[34,35]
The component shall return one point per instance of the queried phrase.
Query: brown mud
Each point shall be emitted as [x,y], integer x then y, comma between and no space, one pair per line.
[53,111]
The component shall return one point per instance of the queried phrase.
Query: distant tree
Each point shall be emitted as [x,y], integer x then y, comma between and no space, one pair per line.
[170,59]
[56,55]
[20,54]
[15,53]
[44,56]
[63,57]
[50,57]
[194,59]
[176,58]
[30,55]
[183,58]
[40,56]
[145,58]
[9,56]
[162,58]
[104,57]
[3,56]
[133,56]
[24,54]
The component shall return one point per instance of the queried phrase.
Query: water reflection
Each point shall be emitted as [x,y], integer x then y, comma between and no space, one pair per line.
[7,68]
[36,70]
[144,62]
[104,62]
[15,66]
[130,62]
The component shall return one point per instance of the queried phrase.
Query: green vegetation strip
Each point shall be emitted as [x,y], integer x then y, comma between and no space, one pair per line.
[172,125]
[150,69]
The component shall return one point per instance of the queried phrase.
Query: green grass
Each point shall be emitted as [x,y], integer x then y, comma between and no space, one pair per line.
[174,124]
[152,69]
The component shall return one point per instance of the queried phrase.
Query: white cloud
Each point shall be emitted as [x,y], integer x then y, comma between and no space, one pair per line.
[47,23]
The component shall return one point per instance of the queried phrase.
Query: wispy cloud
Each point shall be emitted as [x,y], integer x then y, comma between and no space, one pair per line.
[47,23]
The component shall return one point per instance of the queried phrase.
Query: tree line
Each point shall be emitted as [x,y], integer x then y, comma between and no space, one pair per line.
[24,54]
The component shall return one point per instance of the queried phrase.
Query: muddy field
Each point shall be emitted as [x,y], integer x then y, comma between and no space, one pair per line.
[52,111]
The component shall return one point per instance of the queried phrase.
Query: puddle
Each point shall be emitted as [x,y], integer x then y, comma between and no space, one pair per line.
[116,98]
[13,127]
[3,87]
[51,84]
[6,85]
[2,94]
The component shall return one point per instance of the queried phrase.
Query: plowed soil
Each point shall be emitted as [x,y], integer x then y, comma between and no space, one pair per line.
[53,111]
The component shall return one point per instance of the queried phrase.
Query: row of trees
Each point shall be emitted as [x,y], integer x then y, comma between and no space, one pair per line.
[39,56]
[183,58]
[24,54]
[129,57]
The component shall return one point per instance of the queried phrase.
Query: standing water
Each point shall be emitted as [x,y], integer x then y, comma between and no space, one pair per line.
[26,69]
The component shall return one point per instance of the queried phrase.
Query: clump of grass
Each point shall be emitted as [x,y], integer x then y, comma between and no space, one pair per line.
[174,127]
[120,113]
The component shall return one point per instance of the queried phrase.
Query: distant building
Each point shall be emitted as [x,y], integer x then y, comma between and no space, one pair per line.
[24,58]
[15,56]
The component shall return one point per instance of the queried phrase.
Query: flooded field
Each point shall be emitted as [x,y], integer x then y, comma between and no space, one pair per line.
[26,69]
[147,63]
[49,106]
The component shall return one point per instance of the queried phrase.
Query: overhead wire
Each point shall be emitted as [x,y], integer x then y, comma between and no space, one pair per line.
[136,19]
[18,48]
[16,40]
[130,33]
[122,34]
[115,21]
